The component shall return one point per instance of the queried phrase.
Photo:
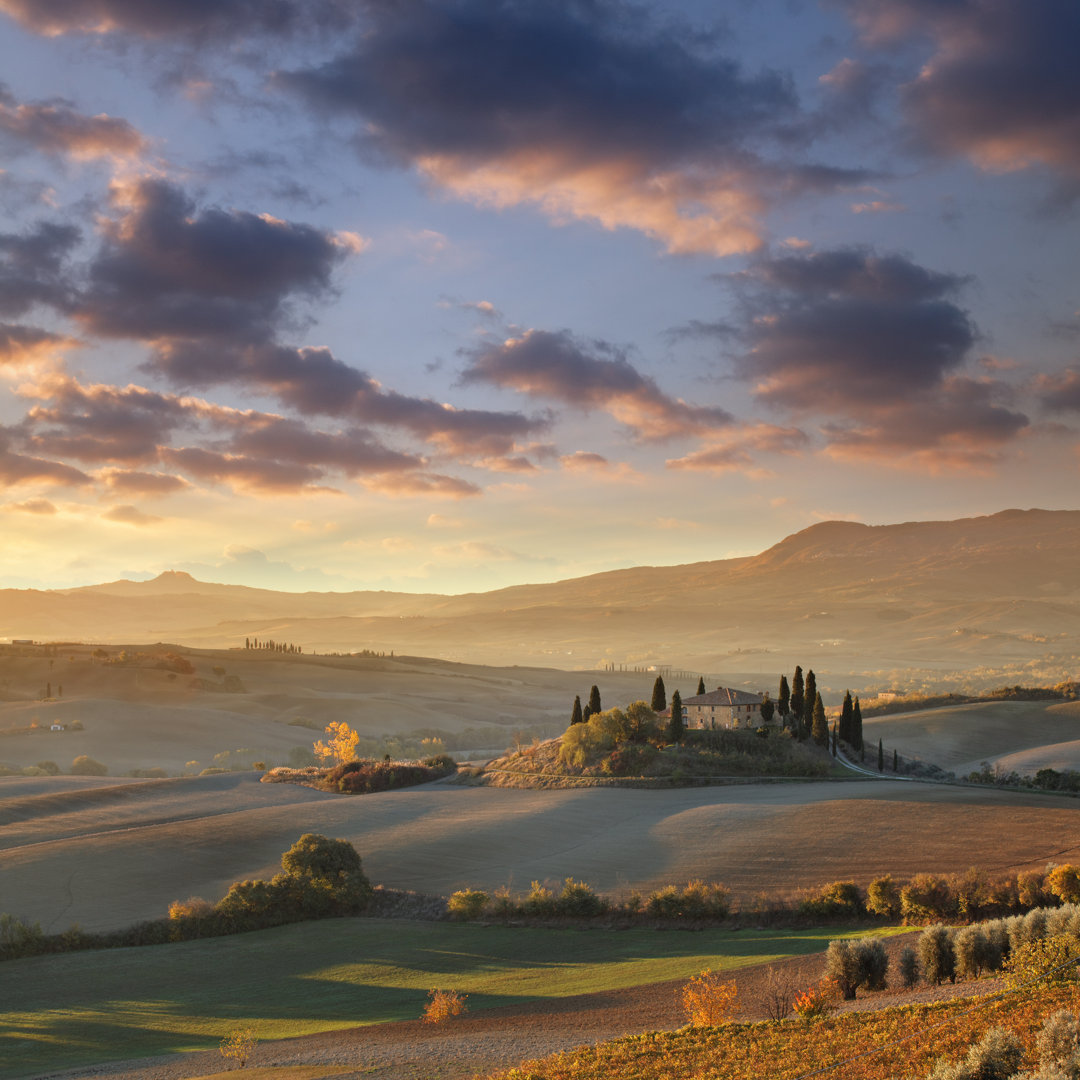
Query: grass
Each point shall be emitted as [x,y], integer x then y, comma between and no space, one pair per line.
[77,1009]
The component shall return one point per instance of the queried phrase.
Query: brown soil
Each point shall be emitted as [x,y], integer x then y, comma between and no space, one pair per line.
[483,1042]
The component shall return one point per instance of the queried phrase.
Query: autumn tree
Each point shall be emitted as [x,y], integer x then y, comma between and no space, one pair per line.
[575,715]
[659,695]
[341,748]
[675,724]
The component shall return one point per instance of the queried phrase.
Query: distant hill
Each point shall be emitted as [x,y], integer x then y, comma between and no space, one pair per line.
[1000,592]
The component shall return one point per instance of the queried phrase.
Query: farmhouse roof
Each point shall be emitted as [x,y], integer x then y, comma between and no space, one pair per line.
[722,695]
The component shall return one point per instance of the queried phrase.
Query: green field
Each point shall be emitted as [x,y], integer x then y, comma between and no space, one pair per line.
[76,1009]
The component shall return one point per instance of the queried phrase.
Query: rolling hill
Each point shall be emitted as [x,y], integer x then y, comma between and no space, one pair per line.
[1000,593]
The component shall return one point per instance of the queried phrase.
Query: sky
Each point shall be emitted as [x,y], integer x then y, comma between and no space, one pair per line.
[449,295]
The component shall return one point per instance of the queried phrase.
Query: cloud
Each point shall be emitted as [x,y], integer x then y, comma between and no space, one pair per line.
[240,472]
[589,375]
[587,461]
[33,270]
[421,484]
[878,206]
[204,20]
[1002,86]
[590,110]
[1059,391]
[315,382]
[147,485]
[26,345]
[131,515]
[33,506]
[57,128]
[477,551]
[848,328]
[735,450]
[167,270]
[16,468]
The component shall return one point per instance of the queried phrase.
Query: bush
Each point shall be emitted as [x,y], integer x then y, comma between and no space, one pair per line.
[708,1000]
[467,904]
[697,900]
[239,1045]
[926,898]
[842,968]
[330,864]
[872,964]
[443,764]
[883,897]
[817,1000]
[1058,1043]
[578,899]
[49,768]
[936,955]
[839,900]
[996,1056]
[540,901]
[19,937]
[443,1005]
[87,766]
[584,744]
[908,967]
[1042,963]
[1064,883]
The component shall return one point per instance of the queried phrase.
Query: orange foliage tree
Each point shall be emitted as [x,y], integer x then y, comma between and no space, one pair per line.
[341,747]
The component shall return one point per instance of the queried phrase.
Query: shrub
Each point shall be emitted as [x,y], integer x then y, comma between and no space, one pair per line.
[936,955]
[926,897]
[19,937]
[467,904]
[1058,1043]
[883,897]
[697,900]
[584,744]
[842,968]
[443,764]
[578,899]
[332,864]
[709,1001]
[49,768]
[1064,883]
[872,964]
[817,1000]
[840,899]
[1031,889]
[996,1056]
[239,1045]
[443,1005]
[540,901]
[909,967]
[87,766]
[1042,963]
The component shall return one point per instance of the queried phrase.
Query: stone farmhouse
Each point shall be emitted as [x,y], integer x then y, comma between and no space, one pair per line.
[722,707]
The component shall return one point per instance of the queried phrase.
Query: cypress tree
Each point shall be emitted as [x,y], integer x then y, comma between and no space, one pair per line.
[880,757]
[768,710]
[783,700]
[819,726]
[796,701]
[856,726]
[659,695]
[895,760]
[809,701]
[585,714]
[846,718]
[834,739]
[575,715]
[701,684]
[675,726]
[594,700]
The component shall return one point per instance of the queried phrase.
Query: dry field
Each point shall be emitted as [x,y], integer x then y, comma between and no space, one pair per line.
[1021,735]
[137,717]
[106,856]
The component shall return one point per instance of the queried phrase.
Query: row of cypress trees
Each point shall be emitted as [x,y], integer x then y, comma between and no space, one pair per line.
[800,707]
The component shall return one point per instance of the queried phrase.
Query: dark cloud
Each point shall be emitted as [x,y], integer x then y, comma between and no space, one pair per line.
[315,382]
[587,108]
[16,468]
[589,375]
[1060,391]
[23,344]
[240,471]
[1003,85]
[165,269]
[205,20]
[55,127]
[33,268]
[844,329]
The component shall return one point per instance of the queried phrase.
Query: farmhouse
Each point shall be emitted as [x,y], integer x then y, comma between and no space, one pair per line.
[722,707]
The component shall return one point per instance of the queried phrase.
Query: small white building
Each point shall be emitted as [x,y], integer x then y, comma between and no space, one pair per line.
[723,707]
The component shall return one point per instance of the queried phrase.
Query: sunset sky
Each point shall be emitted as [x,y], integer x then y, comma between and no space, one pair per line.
[446,295]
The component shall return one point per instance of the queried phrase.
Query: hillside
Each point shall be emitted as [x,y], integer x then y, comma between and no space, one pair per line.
[883,604]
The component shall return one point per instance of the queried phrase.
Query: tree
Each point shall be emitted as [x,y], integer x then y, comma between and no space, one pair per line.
[797,697]
[856,726]
[594,700]
[575,715]
[768,710]
[809,701]
[675,724]
[783,700]
[87,766]
[659,695]
[846,718]
[819,726]
[834,739]
[701,684]
[586,715]
[880,756]
[895,760]
[341,748]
